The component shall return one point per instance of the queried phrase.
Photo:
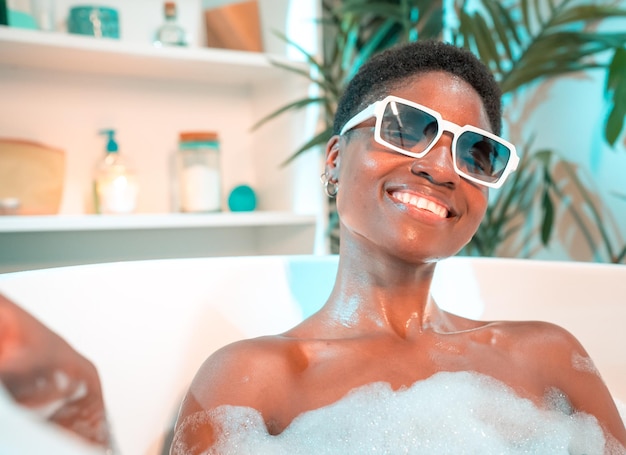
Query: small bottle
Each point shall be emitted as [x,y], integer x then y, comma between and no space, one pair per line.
[199,177]
[170,33]
[115,183]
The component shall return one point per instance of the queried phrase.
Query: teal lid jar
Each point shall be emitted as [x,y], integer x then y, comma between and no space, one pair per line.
[199,174]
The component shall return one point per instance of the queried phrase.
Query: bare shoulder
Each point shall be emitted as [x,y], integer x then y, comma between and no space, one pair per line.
[249,373]
[535,349]
[525,340]
[236,373]
[548,352]
[541,335]
[555,360]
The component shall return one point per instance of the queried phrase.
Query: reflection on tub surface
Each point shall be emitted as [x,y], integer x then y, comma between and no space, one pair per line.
[148,325]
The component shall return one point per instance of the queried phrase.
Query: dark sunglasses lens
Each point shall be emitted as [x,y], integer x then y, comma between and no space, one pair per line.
[481,157]
[407,127]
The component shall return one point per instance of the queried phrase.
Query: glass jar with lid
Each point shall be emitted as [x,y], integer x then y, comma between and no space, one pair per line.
[198,164]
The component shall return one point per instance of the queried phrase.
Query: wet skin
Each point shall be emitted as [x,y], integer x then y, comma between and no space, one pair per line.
[380,323]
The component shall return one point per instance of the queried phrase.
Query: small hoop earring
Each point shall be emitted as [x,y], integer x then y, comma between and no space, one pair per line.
[330,188]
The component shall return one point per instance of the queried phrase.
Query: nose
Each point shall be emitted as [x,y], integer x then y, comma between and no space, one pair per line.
[437,165]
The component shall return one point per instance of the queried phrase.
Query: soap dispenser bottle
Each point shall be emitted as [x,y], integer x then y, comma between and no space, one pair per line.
[115,182]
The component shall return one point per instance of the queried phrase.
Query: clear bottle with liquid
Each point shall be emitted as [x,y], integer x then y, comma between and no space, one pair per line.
[170,33]
[115,182]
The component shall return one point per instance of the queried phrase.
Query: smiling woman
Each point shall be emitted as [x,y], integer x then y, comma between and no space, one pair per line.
[168,315]
[415,152]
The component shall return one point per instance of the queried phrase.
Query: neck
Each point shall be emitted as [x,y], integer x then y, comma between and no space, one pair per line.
[384,295]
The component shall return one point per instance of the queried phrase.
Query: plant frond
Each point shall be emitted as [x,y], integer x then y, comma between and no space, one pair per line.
[318,139]
[615,89]
[504,26]
[485,45]
[547,223]
[295,105]
[311,60]
[587,13]
[621,256]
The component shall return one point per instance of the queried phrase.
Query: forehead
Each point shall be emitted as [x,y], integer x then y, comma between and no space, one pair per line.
[450,95]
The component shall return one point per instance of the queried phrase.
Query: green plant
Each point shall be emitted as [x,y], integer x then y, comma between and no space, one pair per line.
[520,221]
[615,90]
[588,215]
[522,42]
[508,212]
[354,31]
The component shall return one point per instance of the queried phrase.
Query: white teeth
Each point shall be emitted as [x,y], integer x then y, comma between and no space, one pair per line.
[421,203]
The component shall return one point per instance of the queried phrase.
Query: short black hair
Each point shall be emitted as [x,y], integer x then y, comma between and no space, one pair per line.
[394,66]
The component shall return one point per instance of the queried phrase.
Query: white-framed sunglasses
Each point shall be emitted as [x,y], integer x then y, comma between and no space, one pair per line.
[413,130]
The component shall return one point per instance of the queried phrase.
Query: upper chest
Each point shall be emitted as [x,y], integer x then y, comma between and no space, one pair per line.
[327,370]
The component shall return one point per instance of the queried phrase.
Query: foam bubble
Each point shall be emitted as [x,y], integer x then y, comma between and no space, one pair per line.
[459,412]
[584,363]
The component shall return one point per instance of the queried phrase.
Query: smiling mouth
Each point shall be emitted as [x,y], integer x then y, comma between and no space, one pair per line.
[421,203]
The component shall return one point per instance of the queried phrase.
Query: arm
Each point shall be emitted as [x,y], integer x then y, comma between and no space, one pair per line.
[41,371]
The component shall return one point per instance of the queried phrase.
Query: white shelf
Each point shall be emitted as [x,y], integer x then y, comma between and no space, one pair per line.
[57,223]
[54,241]
[79,80]
[34,49]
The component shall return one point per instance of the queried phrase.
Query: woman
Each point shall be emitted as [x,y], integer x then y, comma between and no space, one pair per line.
[412,187]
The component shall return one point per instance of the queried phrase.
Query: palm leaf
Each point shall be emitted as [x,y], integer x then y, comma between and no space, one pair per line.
[483,39]
[616,86]
[295,105]
[547,207]
[587,13]
[621,256]
[504,27]
[318,139]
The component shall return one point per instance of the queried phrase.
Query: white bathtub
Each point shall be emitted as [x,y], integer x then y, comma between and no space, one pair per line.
[147,325]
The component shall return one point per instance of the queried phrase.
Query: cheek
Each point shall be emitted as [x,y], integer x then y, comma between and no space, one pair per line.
[478,198]
[359,181]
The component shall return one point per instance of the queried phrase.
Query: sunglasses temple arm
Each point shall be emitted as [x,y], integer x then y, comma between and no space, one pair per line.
[515,158]
[366,113]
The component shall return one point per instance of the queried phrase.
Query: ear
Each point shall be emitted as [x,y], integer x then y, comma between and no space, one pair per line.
[333,158]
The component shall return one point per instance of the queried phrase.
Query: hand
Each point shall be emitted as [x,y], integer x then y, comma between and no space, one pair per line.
[41,371]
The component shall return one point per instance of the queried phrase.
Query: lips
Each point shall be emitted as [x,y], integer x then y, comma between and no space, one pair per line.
[421,203]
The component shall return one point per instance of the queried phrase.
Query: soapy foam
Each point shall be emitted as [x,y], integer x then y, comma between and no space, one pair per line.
[448,413]
[584,363]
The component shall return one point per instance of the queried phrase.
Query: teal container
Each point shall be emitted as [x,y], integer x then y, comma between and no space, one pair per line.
[91,20]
